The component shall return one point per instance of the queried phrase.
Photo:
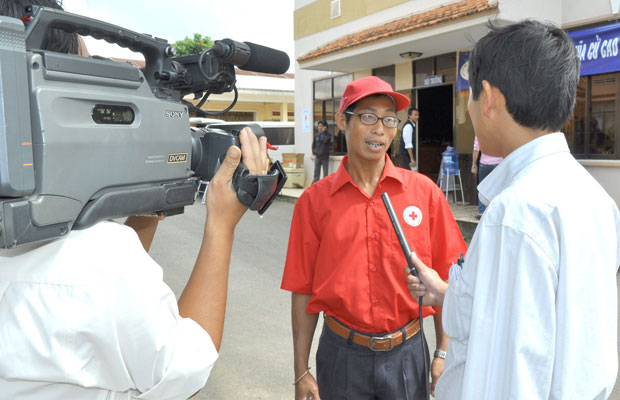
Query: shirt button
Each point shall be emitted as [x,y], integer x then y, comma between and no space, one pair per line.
[373,235]
[372,203]
[377,302]
[373,268]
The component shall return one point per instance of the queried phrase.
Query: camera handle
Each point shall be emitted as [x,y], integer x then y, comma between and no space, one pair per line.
[157,52]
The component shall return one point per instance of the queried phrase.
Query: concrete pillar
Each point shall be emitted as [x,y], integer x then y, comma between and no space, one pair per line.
[284,112]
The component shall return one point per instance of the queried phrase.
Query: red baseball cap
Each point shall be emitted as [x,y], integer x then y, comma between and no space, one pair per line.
[364,87]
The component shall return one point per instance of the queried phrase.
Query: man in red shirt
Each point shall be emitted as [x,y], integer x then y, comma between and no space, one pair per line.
[344,259]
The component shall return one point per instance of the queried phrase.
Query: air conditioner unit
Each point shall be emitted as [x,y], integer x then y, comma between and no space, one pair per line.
[334,9]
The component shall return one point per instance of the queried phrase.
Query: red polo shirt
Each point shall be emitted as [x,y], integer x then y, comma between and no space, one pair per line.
[342,248]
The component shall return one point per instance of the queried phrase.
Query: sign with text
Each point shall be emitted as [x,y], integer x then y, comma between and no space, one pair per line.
[433,80]
[598,49]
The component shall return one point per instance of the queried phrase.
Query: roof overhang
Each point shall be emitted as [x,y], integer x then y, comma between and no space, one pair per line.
[439,39]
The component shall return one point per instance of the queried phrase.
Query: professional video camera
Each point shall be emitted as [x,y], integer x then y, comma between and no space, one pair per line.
[84,139]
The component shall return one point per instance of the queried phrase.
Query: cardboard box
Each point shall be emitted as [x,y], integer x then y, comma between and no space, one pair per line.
[296,177]
[293,160]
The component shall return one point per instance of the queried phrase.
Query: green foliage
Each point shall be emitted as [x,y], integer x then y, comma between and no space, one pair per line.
[193,45]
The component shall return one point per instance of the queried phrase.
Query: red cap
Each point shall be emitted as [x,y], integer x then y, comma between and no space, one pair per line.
[364,87]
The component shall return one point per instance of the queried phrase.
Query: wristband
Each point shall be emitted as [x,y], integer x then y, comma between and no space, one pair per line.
[439,354]
[302,375]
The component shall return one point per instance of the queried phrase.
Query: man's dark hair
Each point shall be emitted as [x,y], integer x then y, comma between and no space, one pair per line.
[56,39]
[411,109]
[534,65]
[322,122]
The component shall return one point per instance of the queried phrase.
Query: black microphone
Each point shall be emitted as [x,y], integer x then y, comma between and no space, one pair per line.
[251,57]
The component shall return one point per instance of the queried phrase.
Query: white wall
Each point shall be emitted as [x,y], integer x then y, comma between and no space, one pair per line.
[545,10]
[579,12]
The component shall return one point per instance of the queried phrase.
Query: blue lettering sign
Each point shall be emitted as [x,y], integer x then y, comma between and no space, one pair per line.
[597,49]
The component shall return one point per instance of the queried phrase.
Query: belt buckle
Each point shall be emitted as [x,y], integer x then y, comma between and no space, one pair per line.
[372,342]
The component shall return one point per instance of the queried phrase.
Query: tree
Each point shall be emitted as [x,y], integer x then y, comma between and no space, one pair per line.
[195,45]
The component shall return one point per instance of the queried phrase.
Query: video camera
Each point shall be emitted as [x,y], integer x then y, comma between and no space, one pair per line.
[83,139]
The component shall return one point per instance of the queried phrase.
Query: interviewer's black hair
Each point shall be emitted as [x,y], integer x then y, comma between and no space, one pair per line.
[56,39]
[534,65]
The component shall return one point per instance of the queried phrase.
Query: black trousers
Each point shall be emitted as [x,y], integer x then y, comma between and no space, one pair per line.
[318,162]
[348,371]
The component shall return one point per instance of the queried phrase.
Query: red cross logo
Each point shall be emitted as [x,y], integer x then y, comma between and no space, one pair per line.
[412,216]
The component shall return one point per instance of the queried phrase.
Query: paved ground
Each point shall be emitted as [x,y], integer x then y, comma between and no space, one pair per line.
[256,355]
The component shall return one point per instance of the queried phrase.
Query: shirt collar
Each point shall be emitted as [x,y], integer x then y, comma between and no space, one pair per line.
[342,176]
[505,173]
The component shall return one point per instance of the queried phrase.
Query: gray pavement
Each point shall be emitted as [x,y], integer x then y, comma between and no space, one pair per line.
[256,357]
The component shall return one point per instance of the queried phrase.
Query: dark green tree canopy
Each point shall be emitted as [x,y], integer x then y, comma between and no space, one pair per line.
[193,45]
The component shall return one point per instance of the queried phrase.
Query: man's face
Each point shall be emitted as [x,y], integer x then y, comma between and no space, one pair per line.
[414,116]
[369,142]
[321,128]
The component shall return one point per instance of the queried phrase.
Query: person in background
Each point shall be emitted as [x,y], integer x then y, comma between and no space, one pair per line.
[344,260]
[487,164]
[532,313]
[320,151]
[406,158]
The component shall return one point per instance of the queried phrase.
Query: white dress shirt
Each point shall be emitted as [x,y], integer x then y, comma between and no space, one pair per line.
[408,135]
[533,314]
[89,317]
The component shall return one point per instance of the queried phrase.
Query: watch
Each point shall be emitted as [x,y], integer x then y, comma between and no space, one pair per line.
[440,354]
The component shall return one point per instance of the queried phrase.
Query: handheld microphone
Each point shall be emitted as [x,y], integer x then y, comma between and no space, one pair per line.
[251,57]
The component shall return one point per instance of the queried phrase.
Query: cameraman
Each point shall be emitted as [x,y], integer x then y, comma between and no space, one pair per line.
[88,316]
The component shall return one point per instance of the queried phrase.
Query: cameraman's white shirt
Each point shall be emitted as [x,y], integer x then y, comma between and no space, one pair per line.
[89,317]
[534,313]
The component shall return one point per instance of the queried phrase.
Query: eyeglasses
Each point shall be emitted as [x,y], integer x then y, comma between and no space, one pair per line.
[371,119]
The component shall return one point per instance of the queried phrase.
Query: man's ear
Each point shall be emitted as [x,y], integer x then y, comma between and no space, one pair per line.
[492,99]
[341,121]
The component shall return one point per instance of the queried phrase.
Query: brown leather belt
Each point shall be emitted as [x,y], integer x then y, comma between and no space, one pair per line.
[374,343]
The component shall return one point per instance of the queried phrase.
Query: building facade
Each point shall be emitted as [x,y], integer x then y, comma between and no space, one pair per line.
[421,46]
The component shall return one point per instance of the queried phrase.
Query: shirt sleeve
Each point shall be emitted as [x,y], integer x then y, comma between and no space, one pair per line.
[476,145]
[408,136]
[504,306]
[303,244]
[165,355]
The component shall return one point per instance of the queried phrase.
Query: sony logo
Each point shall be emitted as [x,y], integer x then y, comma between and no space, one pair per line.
[174,114]
[177,158]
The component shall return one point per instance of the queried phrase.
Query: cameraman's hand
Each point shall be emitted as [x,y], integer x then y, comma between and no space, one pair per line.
[223,207]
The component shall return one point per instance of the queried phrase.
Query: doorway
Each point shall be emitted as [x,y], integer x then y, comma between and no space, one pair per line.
[435,127]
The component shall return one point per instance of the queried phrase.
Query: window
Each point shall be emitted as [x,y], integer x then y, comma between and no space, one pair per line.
[327,93]
[422,69]
[388,74]
[323,89]
[280,136]
[443,65]
[592,132]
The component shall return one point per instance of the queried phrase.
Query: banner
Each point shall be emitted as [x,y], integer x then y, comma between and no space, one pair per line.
[462,82]
[598,49]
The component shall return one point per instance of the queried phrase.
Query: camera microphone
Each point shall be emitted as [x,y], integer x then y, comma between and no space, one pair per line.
[251,57]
